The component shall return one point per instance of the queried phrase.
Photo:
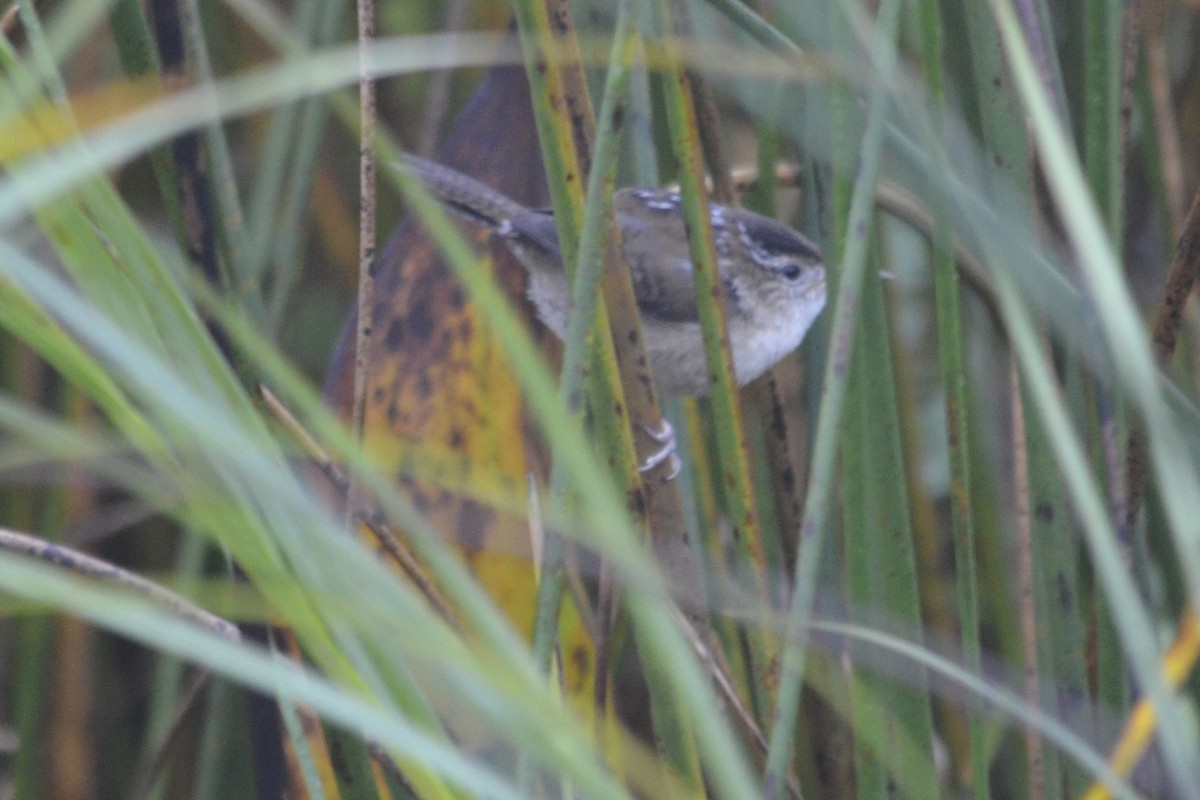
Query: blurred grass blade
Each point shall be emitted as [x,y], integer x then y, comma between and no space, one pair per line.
[834,402]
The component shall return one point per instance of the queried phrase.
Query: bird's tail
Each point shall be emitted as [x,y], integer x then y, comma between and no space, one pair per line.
[461,194]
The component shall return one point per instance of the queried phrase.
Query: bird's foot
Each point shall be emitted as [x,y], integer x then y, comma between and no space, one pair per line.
[664,434]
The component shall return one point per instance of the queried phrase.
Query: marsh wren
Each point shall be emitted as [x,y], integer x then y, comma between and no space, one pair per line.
[773,278]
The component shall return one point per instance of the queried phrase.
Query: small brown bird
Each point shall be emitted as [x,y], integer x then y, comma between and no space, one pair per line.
[773,278]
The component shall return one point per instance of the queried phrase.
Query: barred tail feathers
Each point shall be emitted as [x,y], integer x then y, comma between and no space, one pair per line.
[461,194]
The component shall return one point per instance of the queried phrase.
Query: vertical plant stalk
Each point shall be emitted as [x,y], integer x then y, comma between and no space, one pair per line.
[1007,151]
[734,459]
[228,206]
[281,193]
[1107,54]
[139,60]
[786,433]
[1166,125]
[604,514]
[565,126]
[1034,749]
[1035,25]
[366,238]
[953,370]
[618,356]
[1133,363]
[1103,150]
[786,464]
[833,402]
[655,503]
[1131,37]
[702,123]
[567,151]
[708,125]
[621,380]
[73,701]
[584,319]
[1181,281]
[365,311]
[566,129]
[708,122]
[1168,319]
[199,236]
[1181,659]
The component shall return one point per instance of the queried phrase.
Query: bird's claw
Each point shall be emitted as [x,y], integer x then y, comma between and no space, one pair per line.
[664,434]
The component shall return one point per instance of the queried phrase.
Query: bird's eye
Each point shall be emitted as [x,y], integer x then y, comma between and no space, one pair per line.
[791,272]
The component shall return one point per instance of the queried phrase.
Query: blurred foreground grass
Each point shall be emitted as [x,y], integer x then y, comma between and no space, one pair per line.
[962,548]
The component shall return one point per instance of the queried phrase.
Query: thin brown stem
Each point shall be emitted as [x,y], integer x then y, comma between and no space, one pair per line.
[366,239]
[386,539]
[1181,281]
[1025,592]
[92,567]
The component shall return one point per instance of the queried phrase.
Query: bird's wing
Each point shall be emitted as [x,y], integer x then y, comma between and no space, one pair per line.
[655,247]
[664,287]
[667,292]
